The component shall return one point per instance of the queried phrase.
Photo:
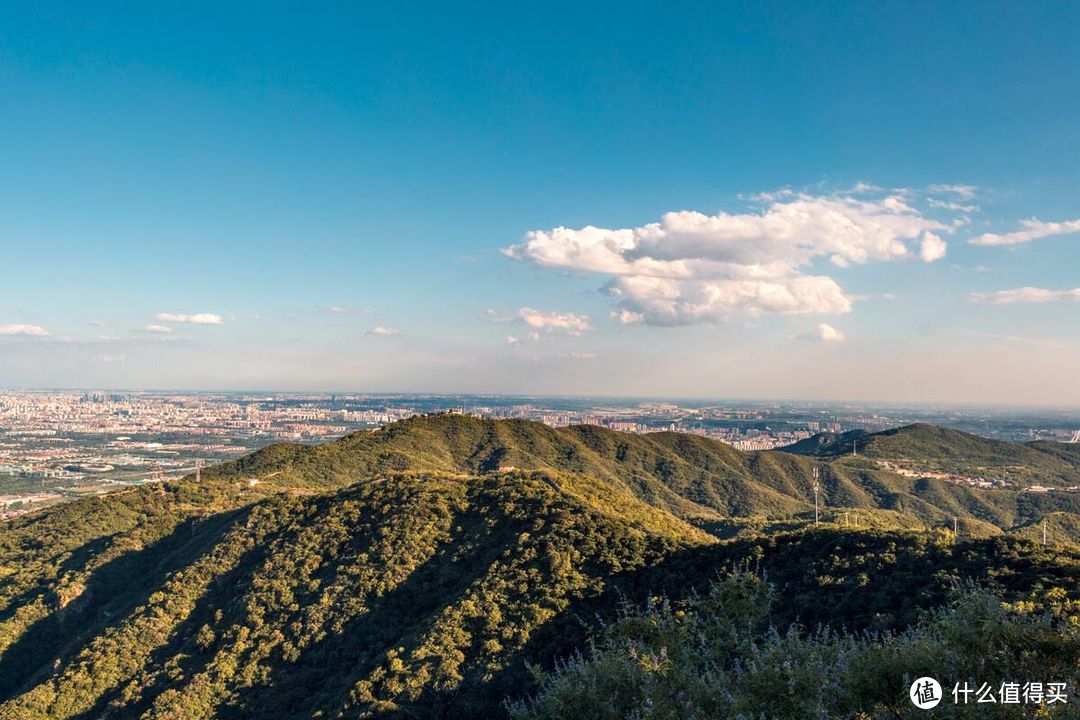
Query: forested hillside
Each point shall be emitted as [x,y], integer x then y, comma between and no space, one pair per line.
[938,449]
[694,478]
[421,569]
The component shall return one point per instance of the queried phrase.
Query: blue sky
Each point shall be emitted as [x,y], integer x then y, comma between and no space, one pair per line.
[265,163]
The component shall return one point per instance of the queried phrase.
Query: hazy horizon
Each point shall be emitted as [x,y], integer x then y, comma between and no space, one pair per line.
[687,399]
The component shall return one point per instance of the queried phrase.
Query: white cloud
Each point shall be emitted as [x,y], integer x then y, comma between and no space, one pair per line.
[196,319]
[863,188]
[96,323]
[1025,295]
[1033,229]
[380,330]
[830,334]
[824,333]
[951,205]
[511,340]
[768,197]
[577,355]
[27,330]
[931,248]
[540,320]
[628,317]
[338,309]
[964,192]
[663,301]
[160,329]
[566,322]
[691,268]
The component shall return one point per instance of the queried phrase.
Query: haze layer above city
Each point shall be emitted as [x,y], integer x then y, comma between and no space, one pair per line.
[783,203]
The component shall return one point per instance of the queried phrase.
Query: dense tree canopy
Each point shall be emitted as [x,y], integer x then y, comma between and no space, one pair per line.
[422,569]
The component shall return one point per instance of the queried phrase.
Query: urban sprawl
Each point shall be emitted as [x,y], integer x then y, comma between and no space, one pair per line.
[60,445]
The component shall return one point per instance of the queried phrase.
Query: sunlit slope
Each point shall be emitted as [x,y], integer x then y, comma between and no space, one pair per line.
[694,478]
[1060,528]
[938,449]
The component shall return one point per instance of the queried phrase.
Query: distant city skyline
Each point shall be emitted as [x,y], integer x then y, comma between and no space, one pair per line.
[59,446]
[877,204]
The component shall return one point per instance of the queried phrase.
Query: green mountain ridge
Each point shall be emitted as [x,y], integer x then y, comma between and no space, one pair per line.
[933,448]
[415,570]
[694,478]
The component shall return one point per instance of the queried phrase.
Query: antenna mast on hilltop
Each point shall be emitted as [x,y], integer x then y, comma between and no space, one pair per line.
[198,470]
[1044,532]
[817,488]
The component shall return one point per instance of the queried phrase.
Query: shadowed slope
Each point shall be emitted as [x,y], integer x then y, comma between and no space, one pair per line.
[410,587]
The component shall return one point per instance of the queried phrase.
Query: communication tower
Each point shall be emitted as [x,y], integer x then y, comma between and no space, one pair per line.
[817,489]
